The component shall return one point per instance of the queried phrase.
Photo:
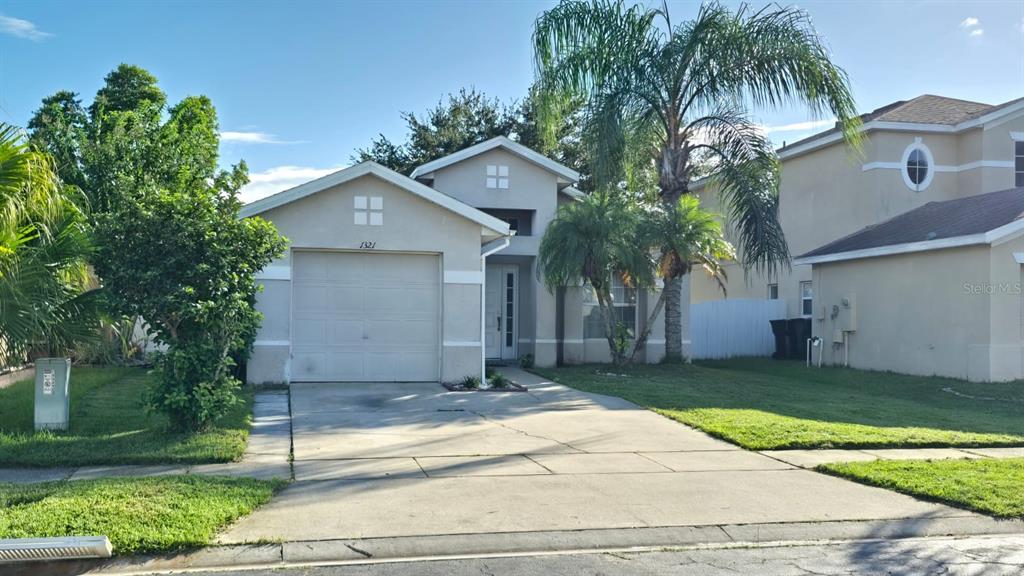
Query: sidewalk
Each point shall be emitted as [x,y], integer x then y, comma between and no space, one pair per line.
[266,455]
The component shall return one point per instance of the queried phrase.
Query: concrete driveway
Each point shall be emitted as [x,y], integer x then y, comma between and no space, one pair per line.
[385,460]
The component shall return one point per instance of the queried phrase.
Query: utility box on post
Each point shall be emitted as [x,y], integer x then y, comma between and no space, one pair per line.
[53,395]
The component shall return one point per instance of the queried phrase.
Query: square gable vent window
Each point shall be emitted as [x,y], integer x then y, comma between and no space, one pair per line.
[497,177]
[369,211]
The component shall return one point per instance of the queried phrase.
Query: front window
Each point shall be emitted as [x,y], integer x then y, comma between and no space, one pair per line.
[806,298]
[1018,163]
[623,309]
[773,291]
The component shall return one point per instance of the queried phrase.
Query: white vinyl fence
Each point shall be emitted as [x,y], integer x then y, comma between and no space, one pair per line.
[728,328]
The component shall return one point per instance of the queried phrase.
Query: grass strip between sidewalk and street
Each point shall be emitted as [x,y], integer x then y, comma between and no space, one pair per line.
[156,514]
[994,487]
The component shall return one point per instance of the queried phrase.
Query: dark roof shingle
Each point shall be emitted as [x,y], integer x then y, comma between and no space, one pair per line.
[935,221]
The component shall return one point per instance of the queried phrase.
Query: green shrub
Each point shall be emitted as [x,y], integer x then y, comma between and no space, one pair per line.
[471,382]
[526,361]
[498,380]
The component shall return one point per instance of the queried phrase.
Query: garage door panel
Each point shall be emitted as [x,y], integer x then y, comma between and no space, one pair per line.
[309,332]
[417,300]
[408,334]
[346,332]
[366,317]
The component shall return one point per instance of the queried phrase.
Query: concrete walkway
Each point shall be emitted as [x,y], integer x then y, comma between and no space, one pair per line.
[266,455]
[407,460]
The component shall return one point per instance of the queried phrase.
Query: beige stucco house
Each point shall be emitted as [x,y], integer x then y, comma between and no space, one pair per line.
[425,278]
[939,297]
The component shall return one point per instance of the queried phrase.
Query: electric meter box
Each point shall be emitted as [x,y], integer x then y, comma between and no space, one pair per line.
[52,393]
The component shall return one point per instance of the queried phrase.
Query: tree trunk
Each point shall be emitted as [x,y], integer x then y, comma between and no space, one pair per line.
[673,319]
[604,303]
[673,183]
[641,340]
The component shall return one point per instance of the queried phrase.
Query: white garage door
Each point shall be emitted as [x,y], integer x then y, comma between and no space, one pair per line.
[365,317]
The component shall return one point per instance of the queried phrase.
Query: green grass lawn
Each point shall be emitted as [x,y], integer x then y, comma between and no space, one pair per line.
[989,486]
[765,404]
[109,425]
[158,514]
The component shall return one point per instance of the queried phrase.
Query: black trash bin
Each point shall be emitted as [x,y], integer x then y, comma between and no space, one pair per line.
[799,332]
[780,329]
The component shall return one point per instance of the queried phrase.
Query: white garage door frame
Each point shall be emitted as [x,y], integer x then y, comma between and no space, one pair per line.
[440,304]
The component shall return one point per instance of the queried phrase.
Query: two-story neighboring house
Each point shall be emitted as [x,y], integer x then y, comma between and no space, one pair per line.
[890,243]
[426,278]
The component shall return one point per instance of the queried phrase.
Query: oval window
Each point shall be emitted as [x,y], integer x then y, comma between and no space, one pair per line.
[918,166]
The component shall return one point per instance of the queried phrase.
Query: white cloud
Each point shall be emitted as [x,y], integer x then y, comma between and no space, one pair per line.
[253,137]
[977,32]
[21,28]
[969,22]
[799,126]
[279,178]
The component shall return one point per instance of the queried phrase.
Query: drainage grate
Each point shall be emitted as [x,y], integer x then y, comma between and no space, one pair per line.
[68,548]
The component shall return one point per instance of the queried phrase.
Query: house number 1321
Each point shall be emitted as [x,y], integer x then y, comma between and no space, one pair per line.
[367,244]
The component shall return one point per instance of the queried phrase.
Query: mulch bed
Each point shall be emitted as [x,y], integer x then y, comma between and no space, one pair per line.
[512,387]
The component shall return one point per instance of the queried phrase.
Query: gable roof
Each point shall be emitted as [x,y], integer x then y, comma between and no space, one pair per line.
[384,173]
[981,219]
[569,175]
[927,112]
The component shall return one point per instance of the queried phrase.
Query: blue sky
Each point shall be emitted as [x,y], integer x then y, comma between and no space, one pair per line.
[301,85]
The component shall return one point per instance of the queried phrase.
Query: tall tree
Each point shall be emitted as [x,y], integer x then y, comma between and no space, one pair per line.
[469,117]
[171,247]
[458,122]
[681,94]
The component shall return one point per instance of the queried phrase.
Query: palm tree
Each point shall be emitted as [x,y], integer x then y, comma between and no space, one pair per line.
[588,242]
[45,303]
[681,95]
[683,237]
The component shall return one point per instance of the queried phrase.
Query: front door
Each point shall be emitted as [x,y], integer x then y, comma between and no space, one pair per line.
[501,326]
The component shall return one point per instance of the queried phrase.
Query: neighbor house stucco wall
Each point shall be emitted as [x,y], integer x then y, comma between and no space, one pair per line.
[954,312]
[324,221]
[832,192]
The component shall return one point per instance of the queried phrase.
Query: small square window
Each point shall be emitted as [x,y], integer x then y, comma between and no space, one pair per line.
[369,211]
[497,177]
[773,291]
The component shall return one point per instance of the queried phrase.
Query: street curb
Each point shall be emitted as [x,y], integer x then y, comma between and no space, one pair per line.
[453,546]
